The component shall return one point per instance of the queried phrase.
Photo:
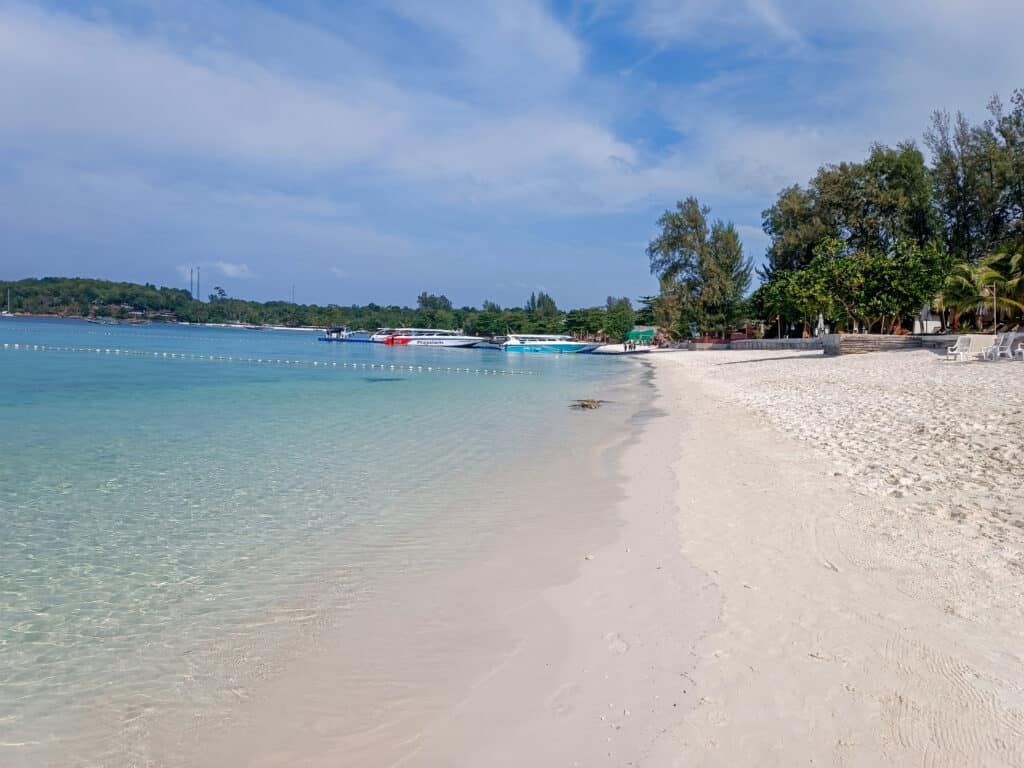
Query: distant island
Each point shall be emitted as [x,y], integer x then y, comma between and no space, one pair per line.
[76,297]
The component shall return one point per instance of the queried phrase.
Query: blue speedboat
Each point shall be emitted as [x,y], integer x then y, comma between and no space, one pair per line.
[547,342]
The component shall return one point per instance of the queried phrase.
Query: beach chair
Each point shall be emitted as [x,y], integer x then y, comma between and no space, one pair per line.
[1001,348]
[1011,339]
[960,350]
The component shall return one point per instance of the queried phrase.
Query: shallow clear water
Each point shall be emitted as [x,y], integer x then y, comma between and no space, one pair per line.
[167,523]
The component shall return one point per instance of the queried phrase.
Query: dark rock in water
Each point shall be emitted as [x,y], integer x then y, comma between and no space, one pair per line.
[587,405]
[382,379]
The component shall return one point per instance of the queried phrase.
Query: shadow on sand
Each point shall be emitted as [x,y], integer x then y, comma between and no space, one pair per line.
[816,354]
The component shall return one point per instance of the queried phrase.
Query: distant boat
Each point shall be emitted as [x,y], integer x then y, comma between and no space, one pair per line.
[431,337]
[7,312]
[344,333]
[547,342]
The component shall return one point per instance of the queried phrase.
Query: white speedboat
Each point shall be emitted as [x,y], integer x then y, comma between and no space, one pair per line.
[344,333]
[547,342]
[381,335]
[431,337]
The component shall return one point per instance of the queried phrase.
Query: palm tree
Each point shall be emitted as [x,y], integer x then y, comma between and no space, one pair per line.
[968,287]
[1009,265]
[959,294]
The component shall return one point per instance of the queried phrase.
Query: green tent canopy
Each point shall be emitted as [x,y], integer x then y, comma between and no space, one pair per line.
[640,334]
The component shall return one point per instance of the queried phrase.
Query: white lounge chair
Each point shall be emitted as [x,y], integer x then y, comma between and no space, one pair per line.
[1001,348]
[960,350]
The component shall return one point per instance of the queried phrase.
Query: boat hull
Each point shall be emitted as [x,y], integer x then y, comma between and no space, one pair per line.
[455,341]
[561,348]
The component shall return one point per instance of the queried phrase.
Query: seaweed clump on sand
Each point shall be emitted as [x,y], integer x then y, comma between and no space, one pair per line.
[588,404]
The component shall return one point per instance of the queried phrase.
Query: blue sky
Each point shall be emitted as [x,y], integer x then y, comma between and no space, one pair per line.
[369,151]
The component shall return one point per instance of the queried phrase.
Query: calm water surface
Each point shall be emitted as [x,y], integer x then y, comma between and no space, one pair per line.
[169,527]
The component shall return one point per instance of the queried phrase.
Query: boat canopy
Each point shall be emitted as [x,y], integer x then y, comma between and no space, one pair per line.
[641,334]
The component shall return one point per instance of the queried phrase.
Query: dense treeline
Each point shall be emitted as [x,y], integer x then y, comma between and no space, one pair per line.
[867,245]
[81,297]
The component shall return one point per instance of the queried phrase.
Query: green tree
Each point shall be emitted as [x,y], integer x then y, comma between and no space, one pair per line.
[964,199]
[489,321]
[795,228]
[700,266]
[585,322]
[875,204]
[646,314]
[619,318]
[875,289]
[428,301]
[726,275]
[544,314]
[541,305]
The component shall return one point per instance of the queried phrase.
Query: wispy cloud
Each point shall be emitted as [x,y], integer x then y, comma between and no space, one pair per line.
[713,22]
[229,269]
[66,77]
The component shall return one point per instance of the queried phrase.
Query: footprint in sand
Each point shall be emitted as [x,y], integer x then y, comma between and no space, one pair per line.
[615,643]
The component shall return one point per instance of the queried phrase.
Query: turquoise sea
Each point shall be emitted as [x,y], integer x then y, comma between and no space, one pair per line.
[177,519]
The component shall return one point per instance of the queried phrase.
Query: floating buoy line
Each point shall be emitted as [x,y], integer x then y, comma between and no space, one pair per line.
[115,351]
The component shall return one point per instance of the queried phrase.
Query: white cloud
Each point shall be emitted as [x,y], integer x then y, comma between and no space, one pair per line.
[66,77]
[251,138]
[229,269]
[712,22]
[506,52]
[512,137]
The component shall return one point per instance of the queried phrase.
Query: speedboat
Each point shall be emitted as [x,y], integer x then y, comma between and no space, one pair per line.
[344,333]
[431,337]
[547,342]
[381,335]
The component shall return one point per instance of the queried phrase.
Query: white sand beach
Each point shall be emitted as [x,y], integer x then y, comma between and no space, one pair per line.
[814,561]
[861,517]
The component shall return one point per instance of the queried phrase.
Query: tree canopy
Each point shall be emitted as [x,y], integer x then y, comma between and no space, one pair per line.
[867,243]
[701,269]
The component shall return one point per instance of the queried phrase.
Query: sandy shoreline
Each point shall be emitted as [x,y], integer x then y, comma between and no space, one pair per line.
[569,644]
[810,562]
